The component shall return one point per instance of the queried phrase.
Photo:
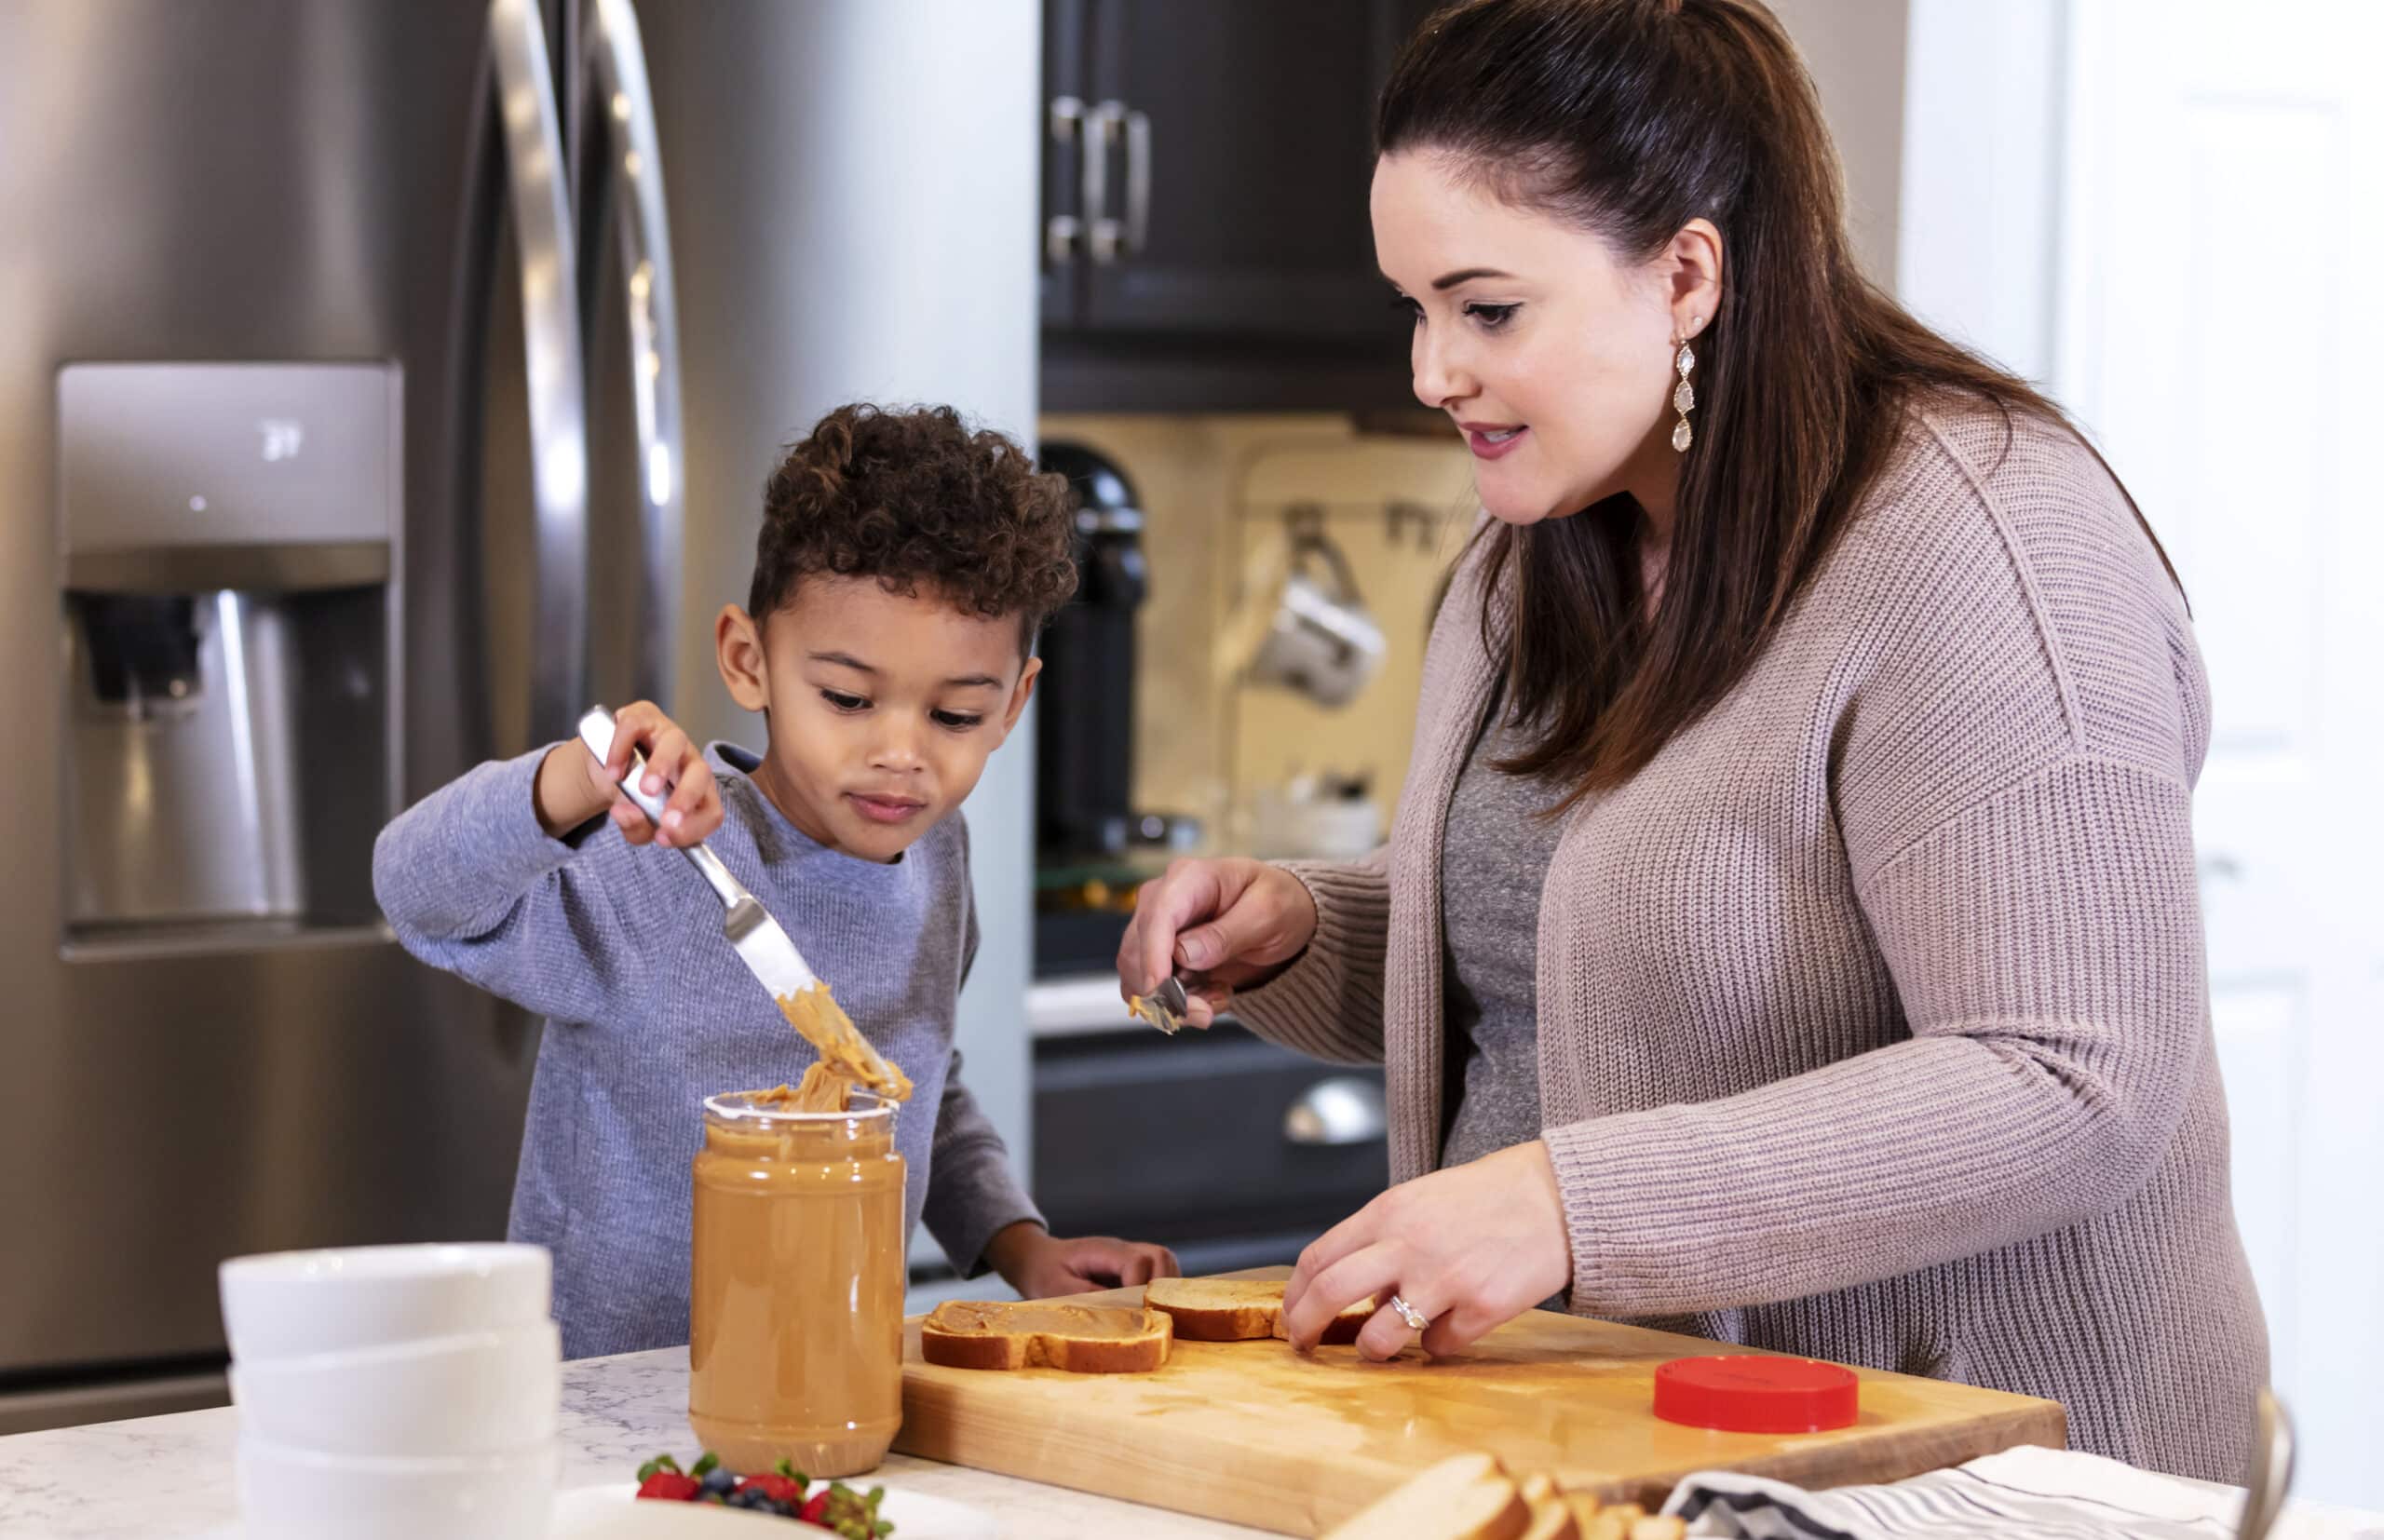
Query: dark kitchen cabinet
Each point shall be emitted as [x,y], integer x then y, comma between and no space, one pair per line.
[1205,175]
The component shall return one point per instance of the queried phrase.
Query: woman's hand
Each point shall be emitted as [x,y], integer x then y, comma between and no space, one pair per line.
[1471,1248]
[1039,1265]
[573,787]
[1231,923]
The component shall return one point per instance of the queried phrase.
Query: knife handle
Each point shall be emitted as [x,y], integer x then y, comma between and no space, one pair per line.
[596,730]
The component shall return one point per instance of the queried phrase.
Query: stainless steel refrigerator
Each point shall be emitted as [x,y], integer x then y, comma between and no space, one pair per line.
[380,381]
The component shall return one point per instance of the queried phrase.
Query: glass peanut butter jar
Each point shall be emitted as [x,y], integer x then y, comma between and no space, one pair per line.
[796,1345]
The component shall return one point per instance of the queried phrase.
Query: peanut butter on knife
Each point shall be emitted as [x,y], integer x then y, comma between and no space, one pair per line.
[845,1058]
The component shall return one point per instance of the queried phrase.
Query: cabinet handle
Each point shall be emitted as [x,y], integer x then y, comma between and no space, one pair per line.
[1341,1109]
[1061,232]
[1138,181]
[1102,234]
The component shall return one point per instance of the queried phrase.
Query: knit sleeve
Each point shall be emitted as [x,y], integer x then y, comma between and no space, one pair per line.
[2012,787]
[471,883]
[1328,1004]
[2048,952]
[972,1194]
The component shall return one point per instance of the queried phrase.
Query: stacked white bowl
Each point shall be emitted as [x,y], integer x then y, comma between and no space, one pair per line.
[394,1391]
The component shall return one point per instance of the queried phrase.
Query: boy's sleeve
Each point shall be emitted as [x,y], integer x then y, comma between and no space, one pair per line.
[472,883]
[972,1194]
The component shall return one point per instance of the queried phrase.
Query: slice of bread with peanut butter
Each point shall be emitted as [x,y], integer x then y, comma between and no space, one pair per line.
[1232,1310]
[1083,1339]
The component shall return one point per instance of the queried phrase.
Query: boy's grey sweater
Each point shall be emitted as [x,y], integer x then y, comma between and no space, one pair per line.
[648,1011]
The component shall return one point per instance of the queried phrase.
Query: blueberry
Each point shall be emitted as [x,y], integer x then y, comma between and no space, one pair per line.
[720,1480]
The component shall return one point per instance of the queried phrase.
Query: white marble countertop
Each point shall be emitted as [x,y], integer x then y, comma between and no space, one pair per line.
[154,1478]
[159,1477]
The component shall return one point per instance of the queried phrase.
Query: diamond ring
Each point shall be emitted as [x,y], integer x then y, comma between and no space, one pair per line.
[1417,1320]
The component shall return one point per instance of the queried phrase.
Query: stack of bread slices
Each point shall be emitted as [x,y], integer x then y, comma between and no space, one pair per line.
[1471,1497]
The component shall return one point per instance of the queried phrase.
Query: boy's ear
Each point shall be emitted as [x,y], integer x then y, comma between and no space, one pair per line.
[1020,695]
[744,667]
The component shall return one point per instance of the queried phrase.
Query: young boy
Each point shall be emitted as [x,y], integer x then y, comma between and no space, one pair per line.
[904,567]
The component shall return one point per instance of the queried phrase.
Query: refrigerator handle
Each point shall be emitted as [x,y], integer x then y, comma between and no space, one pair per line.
[624,103]
[539,200]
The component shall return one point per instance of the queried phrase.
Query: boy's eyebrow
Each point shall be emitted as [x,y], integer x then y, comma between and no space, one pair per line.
[965,681]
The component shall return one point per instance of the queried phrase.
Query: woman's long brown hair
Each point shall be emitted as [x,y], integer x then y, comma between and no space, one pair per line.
[1632,117]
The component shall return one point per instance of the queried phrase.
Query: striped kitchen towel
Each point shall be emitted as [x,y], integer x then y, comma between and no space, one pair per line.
[2042,1493]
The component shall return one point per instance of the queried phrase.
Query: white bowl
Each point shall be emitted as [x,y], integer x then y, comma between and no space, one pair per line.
[483,1393]
[293,1495]
[290,1303]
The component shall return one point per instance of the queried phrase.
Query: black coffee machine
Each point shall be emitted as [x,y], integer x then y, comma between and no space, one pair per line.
[1085,724]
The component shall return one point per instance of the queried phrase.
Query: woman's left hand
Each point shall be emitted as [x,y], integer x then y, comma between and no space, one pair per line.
[1471,1248]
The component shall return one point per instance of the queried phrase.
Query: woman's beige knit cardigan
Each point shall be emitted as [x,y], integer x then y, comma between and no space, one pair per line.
[1873,1021]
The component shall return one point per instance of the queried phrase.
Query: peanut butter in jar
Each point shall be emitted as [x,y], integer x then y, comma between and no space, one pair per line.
[795,1350]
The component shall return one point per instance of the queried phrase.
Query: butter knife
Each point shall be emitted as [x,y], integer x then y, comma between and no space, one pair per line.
[1165,1007]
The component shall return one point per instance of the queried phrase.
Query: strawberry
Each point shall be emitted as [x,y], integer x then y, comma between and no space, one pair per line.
[670,1486]
[778,1488]
[815,1511]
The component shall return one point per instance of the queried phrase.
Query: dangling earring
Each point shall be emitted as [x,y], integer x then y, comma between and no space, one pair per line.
[1683,396]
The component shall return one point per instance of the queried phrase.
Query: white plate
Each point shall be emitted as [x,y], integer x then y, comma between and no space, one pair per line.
[614,1513]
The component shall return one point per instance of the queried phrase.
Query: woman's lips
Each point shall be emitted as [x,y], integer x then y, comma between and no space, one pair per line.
[1489,444]
[884,809]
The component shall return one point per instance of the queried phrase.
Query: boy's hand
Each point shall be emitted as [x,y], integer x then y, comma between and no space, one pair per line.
[573,788]
[1031,1260]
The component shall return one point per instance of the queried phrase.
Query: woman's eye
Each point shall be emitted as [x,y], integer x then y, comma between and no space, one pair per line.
[959,721]
[1491,317]
[842,702]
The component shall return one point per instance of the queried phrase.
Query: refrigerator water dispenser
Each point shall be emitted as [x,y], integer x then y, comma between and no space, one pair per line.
[228,539]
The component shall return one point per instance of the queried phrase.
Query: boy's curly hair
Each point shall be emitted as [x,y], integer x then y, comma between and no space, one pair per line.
[918,501]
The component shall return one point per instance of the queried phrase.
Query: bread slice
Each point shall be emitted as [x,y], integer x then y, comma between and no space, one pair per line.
[1083,1339]
[1217,1310]
[1630,1521]
[1464,1497]
[1232,1310]
[1550,1520]
[1536,1488]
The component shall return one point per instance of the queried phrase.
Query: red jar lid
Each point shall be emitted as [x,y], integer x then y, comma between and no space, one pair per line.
[1756,1392]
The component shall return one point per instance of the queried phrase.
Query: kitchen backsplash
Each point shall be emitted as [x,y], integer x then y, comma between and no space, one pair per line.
[1221,492]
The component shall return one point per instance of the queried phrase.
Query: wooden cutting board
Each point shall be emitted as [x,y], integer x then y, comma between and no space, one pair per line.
[1254,1434]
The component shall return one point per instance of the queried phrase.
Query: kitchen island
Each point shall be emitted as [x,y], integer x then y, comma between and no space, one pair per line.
[160,1478]
[163,1478]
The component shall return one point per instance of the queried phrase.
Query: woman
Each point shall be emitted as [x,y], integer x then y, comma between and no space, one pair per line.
[1788,934]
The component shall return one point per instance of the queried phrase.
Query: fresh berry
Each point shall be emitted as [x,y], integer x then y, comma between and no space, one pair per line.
[670,1487]
[778,1488]
[720,1481]
[813,1511]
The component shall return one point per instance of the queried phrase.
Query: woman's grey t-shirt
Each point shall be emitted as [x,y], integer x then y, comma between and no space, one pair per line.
[1494,852]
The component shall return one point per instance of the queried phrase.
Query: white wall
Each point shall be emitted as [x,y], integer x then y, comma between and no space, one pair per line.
[1982,175]
[1855,49]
